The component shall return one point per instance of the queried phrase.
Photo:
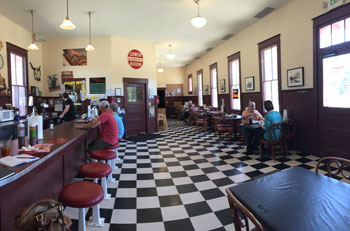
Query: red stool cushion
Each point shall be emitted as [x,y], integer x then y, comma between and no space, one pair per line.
[114,146]
[103,154]
[120,139]
[95,170]
[81,194]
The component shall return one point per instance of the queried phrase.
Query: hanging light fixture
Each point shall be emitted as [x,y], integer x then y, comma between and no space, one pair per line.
[33,46]
[90,47]
[160,69]
[198,21]
[67,24]
[170,55]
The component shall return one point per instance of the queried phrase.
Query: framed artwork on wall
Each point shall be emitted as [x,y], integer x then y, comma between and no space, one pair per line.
[249,83]
[206,89]
[222,86]
[295,77]
[118,92]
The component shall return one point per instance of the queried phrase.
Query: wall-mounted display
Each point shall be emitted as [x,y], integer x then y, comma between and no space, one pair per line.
[295,77]
[235,94]
[53,83]
[74,57]
[222,86]
[135,59]
[98,85]
[249,83]
[118,92]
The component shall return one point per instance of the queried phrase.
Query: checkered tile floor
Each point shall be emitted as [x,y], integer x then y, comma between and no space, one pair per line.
[178,182]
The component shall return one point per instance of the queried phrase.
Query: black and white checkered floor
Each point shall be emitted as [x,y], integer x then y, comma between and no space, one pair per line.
[178,182]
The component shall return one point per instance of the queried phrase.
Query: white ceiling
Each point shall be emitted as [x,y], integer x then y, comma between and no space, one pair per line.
[161,22]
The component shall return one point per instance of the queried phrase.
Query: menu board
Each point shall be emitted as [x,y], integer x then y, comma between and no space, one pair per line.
[98,85]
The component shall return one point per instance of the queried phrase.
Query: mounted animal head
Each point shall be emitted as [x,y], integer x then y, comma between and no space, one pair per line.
[37,72]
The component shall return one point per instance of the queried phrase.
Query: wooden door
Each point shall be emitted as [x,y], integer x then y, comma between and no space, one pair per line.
[135,107]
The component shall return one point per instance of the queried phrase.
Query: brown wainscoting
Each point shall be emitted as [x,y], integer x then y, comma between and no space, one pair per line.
[301,107]
[193,98]
[4,99]
[207,100]
[227,104]
[256,96]
[152,122]
[169,102]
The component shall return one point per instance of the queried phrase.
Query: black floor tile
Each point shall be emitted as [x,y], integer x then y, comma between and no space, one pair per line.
[198,208]
[171,200]
[149,215]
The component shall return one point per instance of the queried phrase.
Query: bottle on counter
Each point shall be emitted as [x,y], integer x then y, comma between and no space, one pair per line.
[21,135]
[33,134]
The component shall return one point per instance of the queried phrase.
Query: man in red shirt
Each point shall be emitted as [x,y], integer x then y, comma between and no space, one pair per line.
[108,128]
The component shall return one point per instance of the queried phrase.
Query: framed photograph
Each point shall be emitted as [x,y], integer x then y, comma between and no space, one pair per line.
[206,89]
[249,83]
[295,77]
[36,91]
[33,90]
[222,86]
[194,91]
[118,92]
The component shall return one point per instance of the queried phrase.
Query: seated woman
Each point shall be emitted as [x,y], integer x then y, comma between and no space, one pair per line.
[270,118]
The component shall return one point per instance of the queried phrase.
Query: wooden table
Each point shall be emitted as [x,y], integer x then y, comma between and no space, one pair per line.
[43,179]
[234,118]
[297,199]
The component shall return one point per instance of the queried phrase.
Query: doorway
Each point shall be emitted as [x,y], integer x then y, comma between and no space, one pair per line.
[161,95]
[135,98]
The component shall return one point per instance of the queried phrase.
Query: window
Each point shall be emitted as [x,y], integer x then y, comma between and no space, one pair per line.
[335,33]
[18,78]
[234,80]
[214,84]
[270,70]
[190,84]
[200,87]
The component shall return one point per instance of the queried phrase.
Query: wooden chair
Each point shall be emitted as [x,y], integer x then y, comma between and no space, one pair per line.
[201,119]
[289,128]
[342,165]
[224,126]
[191,118]
[275,139]
[240,213]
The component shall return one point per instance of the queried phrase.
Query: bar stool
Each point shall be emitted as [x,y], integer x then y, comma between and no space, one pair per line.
[114,148]
[96,170]
[106,156]
[81,194]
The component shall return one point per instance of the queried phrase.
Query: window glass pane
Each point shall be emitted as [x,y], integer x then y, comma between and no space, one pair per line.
[347,26]
[134,94]
[214,90]
[200,90]
[190,84]
[267,91]
[19,70]
[274,94]
[338,32]
[235,78]
[22,103]
[13,69]
[274,63]
[214,98]
[15,96]
[325,36]
[267,62]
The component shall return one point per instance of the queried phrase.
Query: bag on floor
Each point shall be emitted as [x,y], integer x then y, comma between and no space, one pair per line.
[44,215]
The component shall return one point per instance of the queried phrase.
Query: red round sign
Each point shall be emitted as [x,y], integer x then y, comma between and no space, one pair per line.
[135,59]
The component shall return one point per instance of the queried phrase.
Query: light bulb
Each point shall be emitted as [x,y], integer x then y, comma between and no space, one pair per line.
[198,22]
[170,56]
[160,70]
[67,24]
[90,48]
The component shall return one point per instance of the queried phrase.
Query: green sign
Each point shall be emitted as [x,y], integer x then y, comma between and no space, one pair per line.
[334,3]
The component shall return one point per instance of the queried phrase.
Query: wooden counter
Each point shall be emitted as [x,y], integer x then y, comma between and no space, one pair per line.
[43,179]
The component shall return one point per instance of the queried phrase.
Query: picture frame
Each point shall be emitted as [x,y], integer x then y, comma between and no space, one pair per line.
[37,91]
[194,91]
[33,90]
[249,83]
[295,77]
[222,86]
[118,92]
[206,89]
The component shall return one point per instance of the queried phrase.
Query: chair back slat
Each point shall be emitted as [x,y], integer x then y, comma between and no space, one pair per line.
[342,166]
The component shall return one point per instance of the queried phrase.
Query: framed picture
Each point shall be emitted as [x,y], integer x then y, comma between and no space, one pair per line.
[37,91]
[206,89]
[118,92]
[295,77]
[249,83]
[194,90]
[222,86]
[33,90]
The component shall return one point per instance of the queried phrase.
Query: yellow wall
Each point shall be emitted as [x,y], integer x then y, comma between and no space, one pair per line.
[108,60]
[293,22]
[171,75]
[17,35]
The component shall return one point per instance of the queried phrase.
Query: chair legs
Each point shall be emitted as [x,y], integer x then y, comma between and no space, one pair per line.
[110,178]
[82,226]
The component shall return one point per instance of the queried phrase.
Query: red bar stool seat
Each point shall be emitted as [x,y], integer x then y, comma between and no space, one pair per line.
[82,194]
[106,156]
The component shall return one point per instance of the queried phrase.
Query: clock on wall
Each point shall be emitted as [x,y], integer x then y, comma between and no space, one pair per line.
[178,90]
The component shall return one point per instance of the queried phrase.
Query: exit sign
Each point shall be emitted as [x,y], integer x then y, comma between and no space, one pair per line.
[334,4]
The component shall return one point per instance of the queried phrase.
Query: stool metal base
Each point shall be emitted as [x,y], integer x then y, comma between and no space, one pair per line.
[99,223]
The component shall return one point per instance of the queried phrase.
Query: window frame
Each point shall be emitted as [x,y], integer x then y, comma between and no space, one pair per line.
[188,83]
[275,40]
[229,60]
[13,49]
[211,67]
[200,72]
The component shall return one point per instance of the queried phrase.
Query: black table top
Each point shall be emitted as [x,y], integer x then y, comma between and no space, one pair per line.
[297,199]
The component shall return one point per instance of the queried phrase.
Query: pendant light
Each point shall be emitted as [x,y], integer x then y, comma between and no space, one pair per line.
[160,69]
[198,21]
[90,47]
[67,24]
[33,46]
[170,55]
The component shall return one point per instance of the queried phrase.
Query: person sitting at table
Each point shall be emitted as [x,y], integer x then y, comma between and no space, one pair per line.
[114,107]
[187,106]
[270,118]
[251,135]
[108,128]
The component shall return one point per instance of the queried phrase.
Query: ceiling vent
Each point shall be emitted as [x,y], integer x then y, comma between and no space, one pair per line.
[227,37]
[209,48]
[264,12]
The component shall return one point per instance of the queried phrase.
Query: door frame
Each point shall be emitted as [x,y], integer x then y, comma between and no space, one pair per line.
[128,80]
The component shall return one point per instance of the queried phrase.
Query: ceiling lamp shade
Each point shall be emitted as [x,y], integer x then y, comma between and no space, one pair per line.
[170,55]
[160,69]
[198,21]
[90,47]
[33,46]
[67,24]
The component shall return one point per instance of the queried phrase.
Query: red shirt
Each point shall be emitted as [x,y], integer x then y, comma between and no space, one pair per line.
[108,128]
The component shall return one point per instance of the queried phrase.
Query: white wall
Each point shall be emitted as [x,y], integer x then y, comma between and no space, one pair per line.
[171,75]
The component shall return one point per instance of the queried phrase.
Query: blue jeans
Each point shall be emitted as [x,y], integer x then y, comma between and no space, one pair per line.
[252,137]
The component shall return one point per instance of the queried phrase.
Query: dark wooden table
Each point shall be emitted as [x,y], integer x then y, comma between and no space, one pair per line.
[234,118]
[43,179]
[297,199]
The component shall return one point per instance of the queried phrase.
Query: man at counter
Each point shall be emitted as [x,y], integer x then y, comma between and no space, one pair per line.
[108,128]
[114,108]
[68,113]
